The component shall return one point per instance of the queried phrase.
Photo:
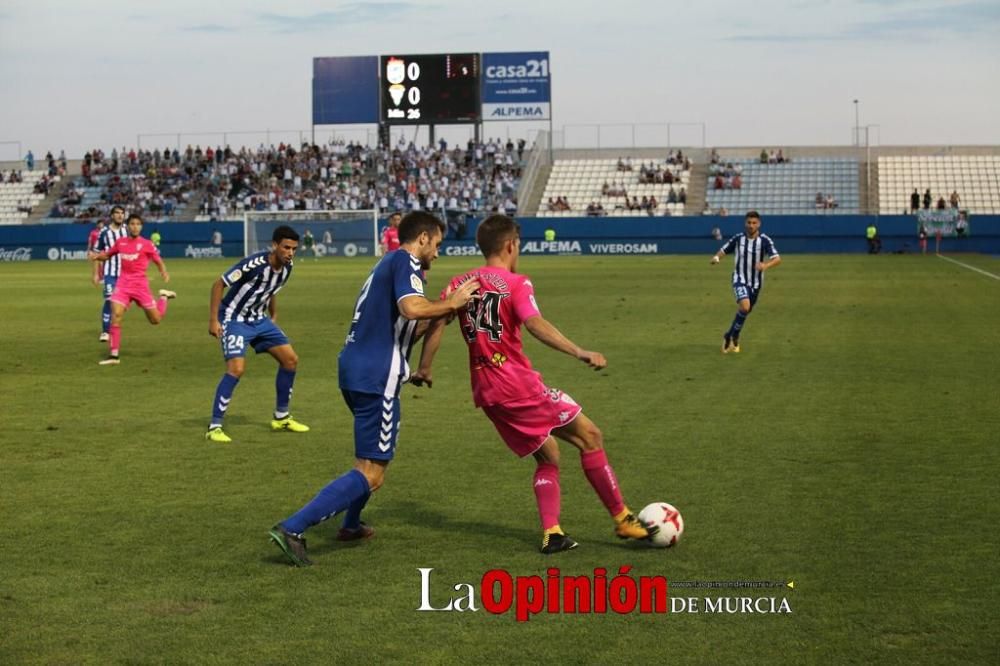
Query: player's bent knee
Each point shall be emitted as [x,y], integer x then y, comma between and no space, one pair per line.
[593,438]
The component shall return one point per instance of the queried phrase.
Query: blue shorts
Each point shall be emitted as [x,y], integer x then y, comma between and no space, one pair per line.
[742,291]
[109,285]
[261,335]
[376,424]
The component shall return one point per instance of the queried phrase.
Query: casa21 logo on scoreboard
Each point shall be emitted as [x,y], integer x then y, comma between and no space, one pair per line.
[516,86]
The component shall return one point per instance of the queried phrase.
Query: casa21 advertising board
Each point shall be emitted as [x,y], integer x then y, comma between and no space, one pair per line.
[516,86]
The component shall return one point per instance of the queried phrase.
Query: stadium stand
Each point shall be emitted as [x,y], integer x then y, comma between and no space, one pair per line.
[800,186]
[579,183]
[20,192]
[975,178]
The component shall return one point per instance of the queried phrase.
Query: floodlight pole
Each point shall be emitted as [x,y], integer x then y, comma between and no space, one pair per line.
[857,125]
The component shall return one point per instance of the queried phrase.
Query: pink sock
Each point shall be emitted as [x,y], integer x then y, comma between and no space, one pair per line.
[161,305]
[598,471]
[115,339]
[547,494]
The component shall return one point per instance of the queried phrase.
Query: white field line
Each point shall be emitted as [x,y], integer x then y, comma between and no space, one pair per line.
[971,268]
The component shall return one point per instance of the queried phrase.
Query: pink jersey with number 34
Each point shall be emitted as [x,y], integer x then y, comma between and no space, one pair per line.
[491,327]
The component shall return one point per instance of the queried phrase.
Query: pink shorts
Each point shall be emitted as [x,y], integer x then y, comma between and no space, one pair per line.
[126,292]
[524,425]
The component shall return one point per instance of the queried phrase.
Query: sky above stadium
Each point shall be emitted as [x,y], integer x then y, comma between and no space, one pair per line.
[109,73]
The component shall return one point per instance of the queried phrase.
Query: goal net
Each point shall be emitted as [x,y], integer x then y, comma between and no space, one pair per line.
[336,233]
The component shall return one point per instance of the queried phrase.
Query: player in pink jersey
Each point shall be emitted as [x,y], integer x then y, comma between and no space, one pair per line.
[98,275]
[527,414]
[135,252]
[390,235]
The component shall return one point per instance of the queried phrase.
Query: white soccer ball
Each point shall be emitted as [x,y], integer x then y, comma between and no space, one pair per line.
[668,519]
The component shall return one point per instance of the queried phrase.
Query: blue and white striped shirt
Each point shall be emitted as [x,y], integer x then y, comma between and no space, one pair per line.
[749,252]
[252,284]
[375,358]
[107,238]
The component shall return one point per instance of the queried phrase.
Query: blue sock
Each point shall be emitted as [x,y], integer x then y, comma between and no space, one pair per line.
[734,330]
[223,394]
[339,494]
[283,385]
[106,316]
[352,518]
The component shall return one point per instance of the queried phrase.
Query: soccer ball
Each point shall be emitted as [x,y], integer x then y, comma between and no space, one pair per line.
[668,519]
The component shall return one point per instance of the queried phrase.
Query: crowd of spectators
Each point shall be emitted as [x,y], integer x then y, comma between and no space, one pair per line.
[153,182]
[773,157]
[728,176]
[476,178]
[480,178]
[953,201]
[558,204]
[827,202]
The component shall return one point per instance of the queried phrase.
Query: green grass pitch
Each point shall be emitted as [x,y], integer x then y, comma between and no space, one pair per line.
[851,448]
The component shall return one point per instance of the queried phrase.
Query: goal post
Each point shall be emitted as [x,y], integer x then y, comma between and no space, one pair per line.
[336,233]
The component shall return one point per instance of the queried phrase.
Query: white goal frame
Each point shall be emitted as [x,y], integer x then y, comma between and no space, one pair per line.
[297,219]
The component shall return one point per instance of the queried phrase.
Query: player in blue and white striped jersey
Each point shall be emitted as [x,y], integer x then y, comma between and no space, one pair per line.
[372,368]
[244,317]
[755,253]
[113,266]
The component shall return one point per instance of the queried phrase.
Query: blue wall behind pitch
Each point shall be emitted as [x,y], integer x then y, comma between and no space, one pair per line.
[669,235]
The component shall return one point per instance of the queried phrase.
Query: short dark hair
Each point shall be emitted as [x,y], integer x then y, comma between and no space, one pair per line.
[494,231]
[117,207]
[417,222]
[284,232]
[134,216]
[752,213]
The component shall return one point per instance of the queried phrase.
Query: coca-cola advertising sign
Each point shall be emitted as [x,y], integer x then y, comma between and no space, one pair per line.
[15,254]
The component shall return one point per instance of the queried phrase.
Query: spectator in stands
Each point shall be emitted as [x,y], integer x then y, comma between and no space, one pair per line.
[719,183]
[737,182]
[781,157]
[723,212]
[830,202]
[29,160]
[941,203]
[707,210]
[927,199]
[682,196]
[914,201]
[713,158]
[820,201]
[671,196]
[954,199]
[763,155]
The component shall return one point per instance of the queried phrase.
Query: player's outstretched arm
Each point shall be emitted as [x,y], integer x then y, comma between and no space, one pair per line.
[97,256]
[418,307]
[214,327]
[162,266]
[770,263]
[717,257]
[432,342]
[551,336]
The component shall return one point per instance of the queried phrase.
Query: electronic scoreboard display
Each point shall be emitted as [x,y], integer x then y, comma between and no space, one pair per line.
[429,89]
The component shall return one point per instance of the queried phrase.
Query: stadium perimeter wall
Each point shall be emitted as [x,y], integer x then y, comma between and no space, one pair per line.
[677,235]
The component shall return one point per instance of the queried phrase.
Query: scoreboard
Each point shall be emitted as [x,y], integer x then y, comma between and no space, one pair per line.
[429,89]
